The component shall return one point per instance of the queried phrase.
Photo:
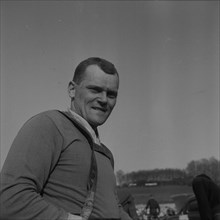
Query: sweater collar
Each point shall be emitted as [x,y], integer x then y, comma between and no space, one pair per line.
[86,125]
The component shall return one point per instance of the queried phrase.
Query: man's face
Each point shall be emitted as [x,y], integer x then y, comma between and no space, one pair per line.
[95,97]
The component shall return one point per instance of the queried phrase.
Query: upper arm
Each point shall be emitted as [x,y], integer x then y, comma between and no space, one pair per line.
[34,152]
[32,156]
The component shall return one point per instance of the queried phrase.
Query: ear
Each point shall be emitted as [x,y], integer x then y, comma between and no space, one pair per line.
[71,89]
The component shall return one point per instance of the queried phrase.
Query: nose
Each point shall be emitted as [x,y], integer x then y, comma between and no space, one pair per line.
[103,98]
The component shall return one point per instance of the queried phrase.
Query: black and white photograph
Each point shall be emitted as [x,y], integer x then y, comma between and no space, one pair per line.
[110,110]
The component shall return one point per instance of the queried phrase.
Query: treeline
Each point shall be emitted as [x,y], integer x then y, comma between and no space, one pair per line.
[168,176]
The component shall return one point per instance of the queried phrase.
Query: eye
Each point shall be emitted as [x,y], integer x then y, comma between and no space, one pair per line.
[112,95]
[95,90]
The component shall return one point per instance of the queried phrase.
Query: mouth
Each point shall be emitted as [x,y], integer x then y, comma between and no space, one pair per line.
[100,109]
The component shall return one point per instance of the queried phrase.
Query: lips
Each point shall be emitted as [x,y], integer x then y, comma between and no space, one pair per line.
[100,109]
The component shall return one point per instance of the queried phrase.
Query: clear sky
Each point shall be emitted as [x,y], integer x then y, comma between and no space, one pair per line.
[167,55]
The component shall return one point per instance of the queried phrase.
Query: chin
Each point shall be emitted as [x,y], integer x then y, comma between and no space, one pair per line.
[98,122]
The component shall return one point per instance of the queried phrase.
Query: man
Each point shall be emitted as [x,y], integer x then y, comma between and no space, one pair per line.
[57,168]
[153,206]
[208,197]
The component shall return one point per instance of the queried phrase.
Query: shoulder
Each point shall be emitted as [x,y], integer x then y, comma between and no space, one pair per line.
[41,122]
[68,127]
[55,117]
[50,121]
[43,119]
[53,124]
[52,114]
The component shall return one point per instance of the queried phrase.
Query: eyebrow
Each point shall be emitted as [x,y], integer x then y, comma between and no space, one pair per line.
[115,92]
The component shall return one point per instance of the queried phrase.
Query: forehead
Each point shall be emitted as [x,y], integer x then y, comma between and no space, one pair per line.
[95,76]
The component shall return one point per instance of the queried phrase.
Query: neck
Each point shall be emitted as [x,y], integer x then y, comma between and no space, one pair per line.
[72,108]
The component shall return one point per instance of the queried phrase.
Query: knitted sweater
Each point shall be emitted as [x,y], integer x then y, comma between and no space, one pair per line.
[46,172]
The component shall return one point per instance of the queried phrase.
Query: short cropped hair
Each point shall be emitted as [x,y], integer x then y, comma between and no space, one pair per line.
[103,64]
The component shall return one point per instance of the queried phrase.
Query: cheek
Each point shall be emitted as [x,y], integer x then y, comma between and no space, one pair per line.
[112,104]
[82,98]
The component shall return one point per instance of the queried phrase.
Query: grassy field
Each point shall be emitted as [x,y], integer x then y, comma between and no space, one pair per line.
[161,193]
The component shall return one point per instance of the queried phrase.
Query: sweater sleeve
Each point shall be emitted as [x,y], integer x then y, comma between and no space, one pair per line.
[32,157]
[123,215]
